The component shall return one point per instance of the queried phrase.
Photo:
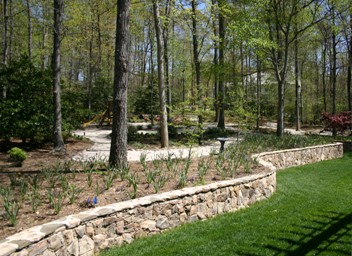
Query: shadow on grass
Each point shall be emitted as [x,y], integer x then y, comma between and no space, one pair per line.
[324,233]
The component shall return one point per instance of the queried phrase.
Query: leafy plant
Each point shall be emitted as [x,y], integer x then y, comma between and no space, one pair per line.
[203,167]
[73,193]
[123,172]
[17,155]
[109,177]
[220,165]
[34,199]
[159,182]
[133,179]
[11,205]
[56,199]
[340,122]
[183,171]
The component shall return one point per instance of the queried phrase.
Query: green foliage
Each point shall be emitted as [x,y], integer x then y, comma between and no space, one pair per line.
[11,204]
[73,110]
[17,155]
[146,100]
[26,112]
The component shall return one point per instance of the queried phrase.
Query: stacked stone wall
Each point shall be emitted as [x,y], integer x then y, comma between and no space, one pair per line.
[300,156]
[88,232]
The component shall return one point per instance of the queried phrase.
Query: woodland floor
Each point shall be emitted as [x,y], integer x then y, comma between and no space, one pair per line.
[42,157]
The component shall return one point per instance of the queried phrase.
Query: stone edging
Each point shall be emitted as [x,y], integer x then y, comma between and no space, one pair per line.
[88,232]
[299,156]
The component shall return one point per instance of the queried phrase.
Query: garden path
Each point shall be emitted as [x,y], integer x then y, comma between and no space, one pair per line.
[101,146]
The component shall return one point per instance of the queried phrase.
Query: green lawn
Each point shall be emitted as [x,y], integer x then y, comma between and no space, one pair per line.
[310,214]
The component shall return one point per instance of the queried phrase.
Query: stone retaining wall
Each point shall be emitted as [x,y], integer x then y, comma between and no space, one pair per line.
[88,232]
[299,156]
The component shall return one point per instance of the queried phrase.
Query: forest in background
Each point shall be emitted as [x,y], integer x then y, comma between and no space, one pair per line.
[264,59]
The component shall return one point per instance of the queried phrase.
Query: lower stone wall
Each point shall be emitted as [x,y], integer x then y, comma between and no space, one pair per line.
[299,156]
[88,232]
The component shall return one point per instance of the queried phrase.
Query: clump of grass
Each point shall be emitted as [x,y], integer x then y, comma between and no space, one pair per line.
[56,199]
[133,180]
[11,204]
[203,167]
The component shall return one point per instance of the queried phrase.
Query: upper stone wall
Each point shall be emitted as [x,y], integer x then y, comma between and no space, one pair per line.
[300,156]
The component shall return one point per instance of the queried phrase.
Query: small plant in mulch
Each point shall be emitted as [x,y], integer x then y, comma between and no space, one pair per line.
[17,155]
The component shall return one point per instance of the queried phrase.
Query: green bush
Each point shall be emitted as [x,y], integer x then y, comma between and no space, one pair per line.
[27,110]
[17,155]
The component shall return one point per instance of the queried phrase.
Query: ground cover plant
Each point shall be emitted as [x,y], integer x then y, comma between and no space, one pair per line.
[309,214]
[66,187]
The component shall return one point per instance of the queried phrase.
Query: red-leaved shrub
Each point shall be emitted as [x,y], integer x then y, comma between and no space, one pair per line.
[342,121]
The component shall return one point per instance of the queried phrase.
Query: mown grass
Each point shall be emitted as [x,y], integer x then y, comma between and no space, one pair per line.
[310,214]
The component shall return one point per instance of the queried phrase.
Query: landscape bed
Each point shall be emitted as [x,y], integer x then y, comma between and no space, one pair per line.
[83,233]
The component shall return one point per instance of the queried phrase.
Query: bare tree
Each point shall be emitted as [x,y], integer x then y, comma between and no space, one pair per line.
[162,95]
[118,150]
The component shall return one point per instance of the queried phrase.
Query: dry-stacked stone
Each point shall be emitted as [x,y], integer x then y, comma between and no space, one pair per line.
[88,232]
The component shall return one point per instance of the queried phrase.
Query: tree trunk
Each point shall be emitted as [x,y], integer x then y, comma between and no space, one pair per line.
[324,76]
[166,57]
[118,149]
[216,64]
[5,42]
[44,57]
[29,30]
[196,60]
[221,123]
[298,89]
[334,57]
[349,68]
[259,89]
[57,128]
[160,56]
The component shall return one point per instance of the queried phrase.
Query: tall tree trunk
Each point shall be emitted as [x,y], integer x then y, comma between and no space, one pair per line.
[118,149]
[29,30]
[196,60]
[44,37]
[298,88]
[166,57]
[90,72]
[221,123]
[161,81]
[216,64]
[349,68]
[57,128]
[324,75]
[259,89]
[151,81]
[10,36]
[334,57]
[5,42]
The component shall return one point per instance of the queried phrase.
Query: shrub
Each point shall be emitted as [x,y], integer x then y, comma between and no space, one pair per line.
[26,112]
[341,122]
[17,155]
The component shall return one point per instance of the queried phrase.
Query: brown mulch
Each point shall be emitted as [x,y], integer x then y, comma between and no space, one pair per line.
[42,157]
